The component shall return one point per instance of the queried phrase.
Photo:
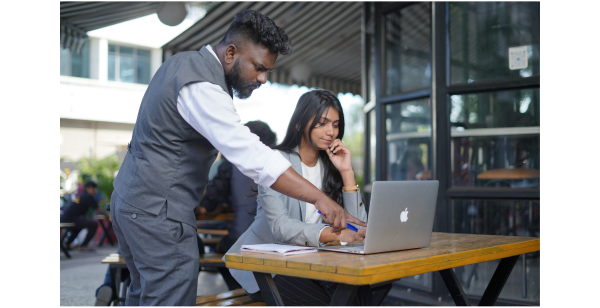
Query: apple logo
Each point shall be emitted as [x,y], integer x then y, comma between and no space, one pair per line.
[404,215]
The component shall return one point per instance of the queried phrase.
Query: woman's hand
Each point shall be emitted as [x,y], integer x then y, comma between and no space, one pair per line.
[340,156]
[351,236]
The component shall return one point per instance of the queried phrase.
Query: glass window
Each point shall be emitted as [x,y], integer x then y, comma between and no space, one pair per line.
[481,34]
[73,64]
[125,50]
[495,217]
[126,68]
[496,139]
[407,47]
[127,64]
[408,136]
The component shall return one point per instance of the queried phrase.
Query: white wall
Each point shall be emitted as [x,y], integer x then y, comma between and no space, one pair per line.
[95,100]
[80,138]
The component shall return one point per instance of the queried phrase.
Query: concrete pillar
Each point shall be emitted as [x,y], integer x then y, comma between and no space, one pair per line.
[94,50]
[156,60]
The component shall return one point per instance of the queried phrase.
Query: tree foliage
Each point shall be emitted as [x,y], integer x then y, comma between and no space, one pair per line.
[101,171]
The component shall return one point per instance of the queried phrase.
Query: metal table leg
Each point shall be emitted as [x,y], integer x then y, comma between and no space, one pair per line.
[62,247]
[105,233]
[491,292]
[454,287]
[344,293]
[268,289]
[498,280]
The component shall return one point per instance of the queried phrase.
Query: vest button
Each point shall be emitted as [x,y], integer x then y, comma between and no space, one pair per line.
[133,216]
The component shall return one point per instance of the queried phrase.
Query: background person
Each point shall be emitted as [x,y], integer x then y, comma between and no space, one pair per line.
[75,213]
[231,189]
[314,148]
[185,118]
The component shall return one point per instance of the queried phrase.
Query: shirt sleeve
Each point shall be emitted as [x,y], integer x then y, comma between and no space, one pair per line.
[210,111]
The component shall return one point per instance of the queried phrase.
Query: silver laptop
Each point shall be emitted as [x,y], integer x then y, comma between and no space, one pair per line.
[400,217]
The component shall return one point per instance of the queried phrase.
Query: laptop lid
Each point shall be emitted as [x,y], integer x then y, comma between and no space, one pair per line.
[401,215]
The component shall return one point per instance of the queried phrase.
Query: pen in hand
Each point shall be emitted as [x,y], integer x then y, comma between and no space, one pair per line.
[349,226]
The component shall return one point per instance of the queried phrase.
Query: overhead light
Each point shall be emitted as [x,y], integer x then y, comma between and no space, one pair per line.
[171,13]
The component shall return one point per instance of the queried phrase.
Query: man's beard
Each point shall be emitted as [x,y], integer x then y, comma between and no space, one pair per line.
[235,82]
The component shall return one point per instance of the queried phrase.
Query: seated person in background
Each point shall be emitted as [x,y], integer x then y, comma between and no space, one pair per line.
[75,213]
[231,190]
[314,147]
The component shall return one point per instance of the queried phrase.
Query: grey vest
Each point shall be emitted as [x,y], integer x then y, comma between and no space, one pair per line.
[168,161]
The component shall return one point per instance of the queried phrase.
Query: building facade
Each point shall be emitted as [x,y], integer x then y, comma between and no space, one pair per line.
[452,92]
[101,89]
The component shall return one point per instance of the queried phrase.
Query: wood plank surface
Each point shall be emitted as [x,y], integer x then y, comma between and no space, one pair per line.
[205,258]
[212,231]
[221,216]
[221,296]
[509,174]
[238,301]
[446,250]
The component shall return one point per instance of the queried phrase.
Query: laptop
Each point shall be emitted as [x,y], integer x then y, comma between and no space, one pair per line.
[400,217]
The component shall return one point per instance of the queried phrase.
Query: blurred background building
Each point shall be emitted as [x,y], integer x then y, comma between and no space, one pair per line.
[449,91]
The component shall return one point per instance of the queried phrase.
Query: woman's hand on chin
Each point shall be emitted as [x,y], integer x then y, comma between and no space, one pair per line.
[340,156]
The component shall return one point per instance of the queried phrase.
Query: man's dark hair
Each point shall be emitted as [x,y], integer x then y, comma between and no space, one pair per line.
[249,25]
[263,131]
[89,184]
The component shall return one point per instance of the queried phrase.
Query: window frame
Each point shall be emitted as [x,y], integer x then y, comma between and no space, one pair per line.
[117,55]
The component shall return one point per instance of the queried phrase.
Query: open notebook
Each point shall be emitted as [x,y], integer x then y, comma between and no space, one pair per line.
[278,249]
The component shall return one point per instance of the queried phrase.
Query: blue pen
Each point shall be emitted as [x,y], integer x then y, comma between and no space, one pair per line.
[349,226]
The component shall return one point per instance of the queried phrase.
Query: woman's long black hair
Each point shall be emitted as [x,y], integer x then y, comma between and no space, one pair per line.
[314,103]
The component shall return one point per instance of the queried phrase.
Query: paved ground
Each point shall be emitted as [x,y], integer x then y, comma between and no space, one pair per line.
[81,275]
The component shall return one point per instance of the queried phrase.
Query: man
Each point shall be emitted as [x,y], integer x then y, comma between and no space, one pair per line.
[185,118]
[75,213]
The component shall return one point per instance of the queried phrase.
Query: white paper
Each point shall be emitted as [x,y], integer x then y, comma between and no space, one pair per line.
[517,57]
[278,249]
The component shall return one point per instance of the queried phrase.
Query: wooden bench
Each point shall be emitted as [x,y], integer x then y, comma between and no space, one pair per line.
[236,297]
[62,237]
[212,231]
[117,264]
[209,259]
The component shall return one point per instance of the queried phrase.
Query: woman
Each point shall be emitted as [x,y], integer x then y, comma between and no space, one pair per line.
[314,147]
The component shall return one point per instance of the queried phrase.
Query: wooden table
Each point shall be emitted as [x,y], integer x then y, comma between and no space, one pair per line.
[446,251]
[509,174]
[220,216]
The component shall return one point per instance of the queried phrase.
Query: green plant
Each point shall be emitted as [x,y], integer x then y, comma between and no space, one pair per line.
[102,171]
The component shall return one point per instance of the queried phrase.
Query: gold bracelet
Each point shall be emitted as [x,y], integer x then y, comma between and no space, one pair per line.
[350,188]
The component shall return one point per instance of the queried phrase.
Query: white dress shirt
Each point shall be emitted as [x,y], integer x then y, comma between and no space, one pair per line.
[313,175]
[210,111]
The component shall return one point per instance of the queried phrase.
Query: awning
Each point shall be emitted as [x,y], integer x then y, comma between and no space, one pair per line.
[87,16]
[76,18]
[325,40]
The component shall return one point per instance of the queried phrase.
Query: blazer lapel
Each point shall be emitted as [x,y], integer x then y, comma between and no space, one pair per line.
[297,165]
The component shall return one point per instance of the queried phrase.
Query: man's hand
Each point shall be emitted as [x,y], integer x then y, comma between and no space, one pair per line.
[335,215]
[290,183]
